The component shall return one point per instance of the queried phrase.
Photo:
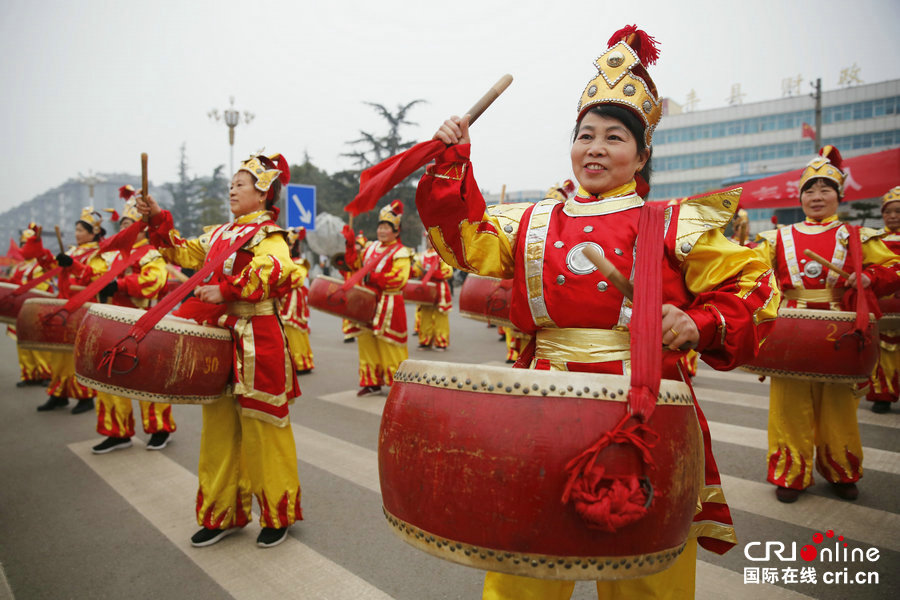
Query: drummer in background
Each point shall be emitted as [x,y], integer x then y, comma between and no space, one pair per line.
[716,295]
[247,444]
[81,264]
[809,418]
[434,320]
[885,380]
[137,287]
[348,327]
[294,308]
[383,346]
[34,368]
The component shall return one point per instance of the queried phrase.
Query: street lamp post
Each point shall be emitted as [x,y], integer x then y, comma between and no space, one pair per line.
[232,118]
[90,180]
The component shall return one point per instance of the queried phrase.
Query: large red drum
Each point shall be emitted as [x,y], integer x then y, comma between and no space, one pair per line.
[472,465]
[178,361]
[486,299]
[356,304]
[42,326]
[11,304]
[890,313]
[814,345]
[421,293]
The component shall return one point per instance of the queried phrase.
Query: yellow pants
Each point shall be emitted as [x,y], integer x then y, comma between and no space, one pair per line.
[675,583]
[886,376]
[33,365]
[242,457]
[62,378]
[298,342]
[434,328]
[115,416]
[809,418]
[378,359]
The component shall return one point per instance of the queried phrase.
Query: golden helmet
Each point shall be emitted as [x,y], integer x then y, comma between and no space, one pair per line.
[392,213]
[92,218]
[892,196]
[827,165]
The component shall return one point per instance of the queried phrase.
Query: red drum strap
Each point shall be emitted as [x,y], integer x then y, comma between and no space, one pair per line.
[430,273]
[35,282]
[368,266]
[862,300]
[98,284]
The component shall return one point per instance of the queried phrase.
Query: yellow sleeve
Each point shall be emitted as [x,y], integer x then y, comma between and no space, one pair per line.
[271,272]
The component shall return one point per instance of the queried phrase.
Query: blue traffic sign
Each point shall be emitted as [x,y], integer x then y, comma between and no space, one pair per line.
[301,206]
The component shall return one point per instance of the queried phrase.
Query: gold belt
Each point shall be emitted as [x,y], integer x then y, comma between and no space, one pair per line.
[576,344]
[251,309]
[821,295]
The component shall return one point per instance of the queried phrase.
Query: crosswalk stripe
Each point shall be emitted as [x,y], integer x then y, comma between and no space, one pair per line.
[5,591]
[153,484]
[871,526]
[873,458]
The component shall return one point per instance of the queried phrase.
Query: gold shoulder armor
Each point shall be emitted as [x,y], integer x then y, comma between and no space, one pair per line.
[770,237]
[867,233]
[508,217]
[696,216]
[405,252]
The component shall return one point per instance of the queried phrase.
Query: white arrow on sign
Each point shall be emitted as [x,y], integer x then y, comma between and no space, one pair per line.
[305,215]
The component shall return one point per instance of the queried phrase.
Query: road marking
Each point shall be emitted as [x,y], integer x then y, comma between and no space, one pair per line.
[873,458]
[369,404]
[155,486]
[5,591]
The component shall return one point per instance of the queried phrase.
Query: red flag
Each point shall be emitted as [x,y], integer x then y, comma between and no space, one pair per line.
[378,180]
[807,131]
[14,251]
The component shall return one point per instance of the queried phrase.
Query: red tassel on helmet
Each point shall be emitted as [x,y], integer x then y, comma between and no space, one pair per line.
[397,207]
[301,233]
[282,165]
[643,44]
[126,192]
[833,155]
[774,219]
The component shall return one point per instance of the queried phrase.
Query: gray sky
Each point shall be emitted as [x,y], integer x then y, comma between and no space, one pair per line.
[89,85]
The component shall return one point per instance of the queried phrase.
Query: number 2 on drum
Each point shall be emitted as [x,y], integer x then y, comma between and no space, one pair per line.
[211,365]
[832,332]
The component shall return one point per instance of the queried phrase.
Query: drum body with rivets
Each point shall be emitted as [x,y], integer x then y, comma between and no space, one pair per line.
[41,325]
[816,345]
[421,293]
[472,465]
[11,304]
[179,361]
[890,313]
[356,304]
[486,299]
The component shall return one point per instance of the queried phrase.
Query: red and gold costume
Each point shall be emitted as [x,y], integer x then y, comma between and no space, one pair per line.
[807,419]
[383,346]
[138,286]
[578,321]
[33,365]
[434,321]
[885,381]
[294,311]
[247,445]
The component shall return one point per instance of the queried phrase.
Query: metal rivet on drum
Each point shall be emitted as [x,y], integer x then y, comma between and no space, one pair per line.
[577,561]
[568,565]
[543,392]
[525,390]
[604,391]
[551,564]
[552,387]
[569,387]
[484,383]
[453,379]
[616,566]
[490,552]
[584,566]
[459,386]
[586,389]
[621,393]
[443,378]
[596,394]
[499,559]
[612,396]
[543,560]
[483,557]
[534,563]
[578,393]
[508,389]
[517,385]
[468,381]
[490,388]
[475,386]
[468,553]
[534,386]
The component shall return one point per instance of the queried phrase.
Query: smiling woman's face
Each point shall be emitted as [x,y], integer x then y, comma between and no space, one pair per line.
[819,201]
[605,154]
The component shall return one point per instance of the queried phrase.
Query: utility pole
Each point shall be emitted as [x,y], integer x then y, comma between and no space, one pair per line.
[817,95]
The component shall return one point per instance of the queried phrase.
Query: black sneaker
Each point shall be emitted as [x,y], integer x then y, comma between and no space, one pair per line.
[158,440]
[270,536]
[368,390]
[53,402]
[304,371]
[22,383]
[208,537]
[84,405]
[110,444]
[881,407]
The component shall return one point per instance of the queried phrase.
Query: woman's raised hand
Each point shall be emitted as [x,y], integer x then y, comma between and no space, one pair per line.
[455,130]
[146,206]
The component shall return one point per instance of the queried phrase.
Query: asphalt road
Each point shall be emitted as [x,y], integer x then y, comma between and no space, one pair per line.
[75,525]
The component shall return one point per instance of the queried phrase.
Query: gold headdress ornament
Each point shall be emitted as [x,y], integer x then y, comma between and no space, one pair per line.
[361,238]
[827,165]
[131,211]
[891,196]
[392,213]
[624,80]
[28,232]
[92,218]
[266,169]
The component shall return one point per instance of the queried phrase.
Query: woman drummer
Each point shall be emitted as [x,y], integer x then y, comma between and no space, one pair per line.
[382,347]
[577,319]
[140,285]
[434,320]
[81,264]
[810,419]
[247,445]
[294,308]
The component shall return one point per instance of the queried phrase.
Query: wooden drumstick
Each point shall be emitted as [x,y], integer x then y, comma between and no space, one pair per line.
[144,179]
[825,263]
[608,270]
[491,95]
[59,239]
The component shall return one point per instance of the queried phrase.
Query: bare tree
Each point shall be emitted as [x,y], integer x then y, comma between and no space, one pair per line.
[377,148]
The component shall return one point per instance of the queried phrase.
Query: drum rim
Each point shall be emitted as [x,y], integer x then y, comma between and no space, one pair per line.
[330,279]
[805,375]
[543,566]
[134,394]
[814,314]
[505,381]
[487,319]
[182,326]
[34,290]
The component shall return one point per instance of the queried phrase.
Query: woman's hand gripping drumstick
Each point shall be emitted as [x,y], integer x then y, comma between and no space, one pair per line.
[679,330]
[850,277]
